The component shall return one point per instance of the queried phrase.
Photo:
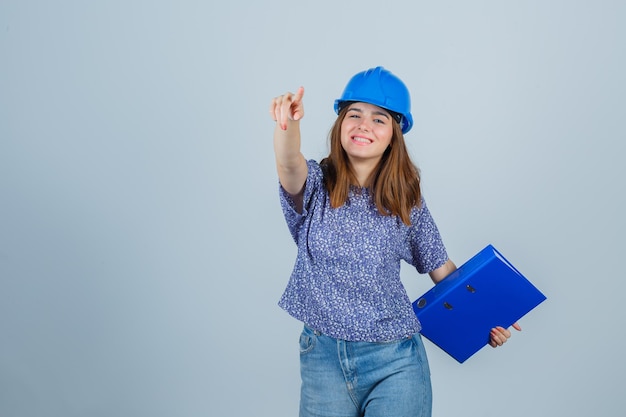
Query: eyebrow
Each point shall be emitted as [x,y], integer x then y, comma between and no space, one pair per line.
[377,112]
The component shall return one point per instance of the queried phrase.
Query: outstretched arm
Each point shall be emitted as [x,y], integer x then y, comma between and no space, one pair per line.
[287,110]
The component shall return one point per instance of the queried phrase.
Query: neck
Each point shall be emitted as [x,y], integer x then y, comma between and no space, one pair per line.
[363,171]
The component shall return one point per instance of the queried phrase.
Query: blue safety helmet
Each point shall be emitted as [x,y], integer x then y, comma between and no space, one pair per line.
[381,88]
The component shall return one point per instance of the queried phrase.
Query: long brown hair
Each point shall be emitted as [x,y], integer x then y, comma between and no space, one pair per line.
[394,183]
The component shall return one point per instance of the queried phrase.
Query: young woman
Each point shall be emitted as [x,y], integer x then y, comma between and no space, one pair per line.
[355,216]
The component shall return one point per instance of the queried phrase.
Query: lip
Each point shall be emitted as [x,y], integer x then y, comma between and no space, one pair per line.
[364,140]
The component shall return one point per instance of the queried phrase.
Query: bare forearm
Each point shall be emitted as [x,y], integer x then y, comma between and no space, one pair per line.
[443,271]
[290,163]
[287,145]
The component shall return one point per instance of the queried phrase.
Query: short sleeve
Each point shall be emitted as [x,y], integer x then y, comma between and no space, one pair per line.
[426,246]
[313,186]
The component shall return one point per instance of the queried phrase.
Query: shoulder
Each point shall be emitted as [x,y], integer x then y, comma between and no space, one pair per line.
[314,167]
[316,173]
[422,222]
[418,210]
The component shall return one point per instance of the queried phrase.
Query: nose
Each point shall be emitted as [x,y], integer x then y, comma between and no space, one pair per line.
[364,125]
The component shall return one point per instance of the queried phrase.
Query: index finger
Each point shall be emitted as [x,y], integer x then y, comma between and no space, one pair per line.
[299,94]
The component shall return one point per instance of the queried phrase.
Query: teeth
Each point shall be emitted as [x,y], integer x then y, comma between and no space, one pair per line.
[361,140]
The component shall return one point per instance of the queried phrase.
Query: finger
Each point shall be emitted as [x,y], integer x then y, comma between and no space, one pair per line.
[285,110]
[294,104]
[499,335]
[273,108]
[297,105]
[297,99]
[494,338]
[504,332]
[517,327]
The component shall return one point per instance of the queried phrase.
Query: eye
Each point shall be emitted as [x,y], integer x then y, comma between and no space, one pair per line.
[381,121]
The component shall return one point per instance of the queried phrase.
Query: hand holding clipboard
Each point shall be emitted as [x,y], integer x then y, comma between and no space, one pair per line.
[459,312]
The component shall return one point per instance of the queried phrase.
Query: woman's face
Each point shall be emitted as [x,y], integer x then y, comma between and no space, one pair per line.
[366,132]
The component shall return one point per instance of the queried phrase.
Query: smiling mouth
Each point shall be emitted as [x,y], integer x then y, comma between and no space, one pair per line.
[359,139]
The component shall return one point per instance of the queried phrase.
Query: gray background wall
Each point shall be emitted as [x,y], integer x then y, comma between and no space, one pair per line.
[142,247]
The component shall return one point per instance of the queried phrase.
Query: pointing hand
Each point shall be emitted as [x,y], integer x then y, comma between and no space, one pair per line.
[289,106]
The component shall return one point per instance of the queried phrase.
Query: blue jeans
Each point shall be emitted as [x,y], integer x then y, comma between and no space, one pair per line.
[351,379]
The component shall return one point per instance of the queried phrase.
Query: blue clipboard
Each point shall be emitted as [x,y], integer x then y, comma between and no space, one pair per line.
[458,313]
